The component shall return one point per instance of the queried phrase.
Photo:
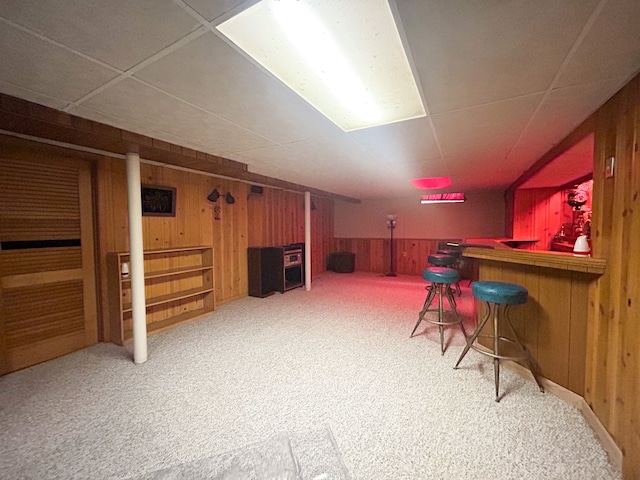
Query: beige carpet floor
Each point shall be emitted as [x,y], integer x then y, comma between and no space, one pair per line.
[336,357]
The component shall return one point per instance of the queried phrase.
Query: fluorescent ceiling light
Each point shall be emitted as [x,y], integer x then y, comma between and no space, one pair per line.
[343,57]
[442,198]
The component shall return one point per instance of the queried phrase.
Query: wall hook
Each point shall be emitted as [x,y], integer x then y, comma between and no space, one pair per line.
[213,196]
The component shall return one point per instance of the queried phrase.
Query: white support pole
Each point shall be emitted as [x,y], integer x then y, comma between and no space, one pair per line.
[136,259]
[307,240]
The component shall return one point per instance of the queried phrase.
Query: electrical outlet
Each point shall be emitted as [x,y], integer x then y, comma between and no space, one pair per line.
[609,166]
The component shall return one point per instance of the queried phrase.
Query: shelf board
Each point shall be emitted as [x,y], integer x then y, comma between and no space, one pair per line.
[167,250]
[171,272]
[159,300]
[167,323]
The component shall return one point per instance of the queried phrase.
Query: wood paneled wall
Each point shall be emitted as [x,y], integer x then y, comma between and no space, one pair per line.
[197,222]
[552,324]
[276,218]
[612,378]
[373,254]
[538,213]
[613,371]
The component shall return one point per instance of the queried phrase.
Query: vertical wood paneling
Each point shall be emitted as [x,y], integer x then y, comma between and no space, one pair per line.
[552,324]
[538,213]
[373,254]
[554,327]
[274,218]
[612,375]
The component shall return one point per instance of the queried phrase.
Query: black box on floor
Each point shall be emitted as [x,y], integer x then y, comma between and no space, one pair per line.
[341,262]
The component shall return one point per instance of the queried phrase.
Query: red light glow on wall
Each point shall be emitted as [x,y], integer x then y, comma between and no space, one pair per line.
[431,182]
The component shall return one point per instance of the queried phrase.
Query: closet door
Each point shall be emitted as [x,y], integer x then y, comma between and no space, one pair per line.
[47,271]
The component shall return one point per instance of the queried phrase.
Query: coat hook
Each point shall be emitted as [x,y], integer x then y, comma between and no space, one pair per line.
[213,196]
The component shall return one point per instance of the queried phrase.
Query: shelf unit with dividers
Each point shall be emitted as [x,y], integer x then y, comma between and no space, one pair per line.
[178,287]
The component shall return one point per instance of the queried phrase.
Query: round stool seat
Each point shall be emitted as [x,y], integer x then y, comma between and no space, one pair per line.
[441,260]
[440,275]
[453,253]
[500,292]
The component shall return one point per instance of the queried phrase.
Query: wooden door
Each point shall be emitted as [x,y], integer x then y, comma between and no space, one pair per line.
[47,271]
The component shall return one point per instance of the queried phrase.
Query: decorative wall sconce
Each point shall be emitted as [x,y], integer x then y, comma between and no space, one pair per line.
[213,196]
[391,225]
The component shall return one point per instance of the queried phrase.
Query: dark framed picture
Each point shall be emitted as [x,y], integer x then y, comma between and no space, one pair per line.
[158,201]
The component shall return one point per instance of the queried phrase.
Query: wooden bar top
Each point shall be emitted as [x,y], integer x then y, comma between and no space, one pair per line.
[496,250]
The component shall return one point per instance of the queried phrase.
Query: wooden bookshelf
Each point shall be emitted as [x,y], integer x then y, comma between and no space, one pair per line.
[178,288]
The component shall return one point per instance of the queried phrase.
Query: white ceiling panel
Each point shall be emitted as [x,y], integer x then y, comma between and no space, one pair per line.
[401,143]
[120,33]
[46,69]
[212,10]
[469,53]
[502,81]
[611,49]
[562,111]
[211,74]
[117,122]
[164,113]
[487,131]
[19,91]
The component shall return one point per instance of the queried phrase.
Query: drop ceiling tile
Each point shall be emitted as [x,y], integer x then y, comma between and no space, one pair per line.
[468,182]
[20,92]
[213,75]
[488,131]
[113,121]
[212,10]
[469,53]
[612,45]
[277,156]
[560,113]
[406,142]
[46,69]
[120,33]
[134,102]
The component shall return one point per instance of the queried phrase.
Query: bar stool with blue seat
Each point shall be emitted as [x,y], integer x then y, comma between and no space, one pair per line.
[499,297]
[446,260]
[441,279]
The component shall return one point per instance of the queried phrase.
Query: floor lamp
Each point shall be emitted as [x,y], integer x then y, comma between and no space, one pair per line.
[391,225]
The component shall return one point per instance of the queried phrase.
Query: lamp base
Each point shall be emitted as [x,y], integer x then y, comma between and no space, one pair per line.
[390,274]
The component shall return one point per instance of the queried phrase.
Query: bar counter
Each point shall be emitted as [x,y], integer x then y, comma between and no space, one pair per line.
[553,323]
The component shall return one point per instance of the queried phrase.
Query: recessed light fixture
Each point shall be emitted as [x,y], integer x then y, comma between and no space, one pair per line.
[345,58]
[431,182]
[442,198]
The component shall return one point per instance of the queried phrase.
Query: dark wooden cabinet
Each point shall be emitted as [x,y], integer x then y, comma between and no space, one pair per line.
[274,269]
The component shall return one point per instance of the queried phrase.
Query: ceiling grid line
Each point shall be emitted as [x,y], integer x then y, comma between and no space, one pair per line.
[136,68]
[583,33]
[508,80]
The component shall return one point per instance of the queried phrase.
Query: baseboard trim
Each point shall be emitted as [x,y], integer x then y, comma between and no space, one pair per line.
[575,400]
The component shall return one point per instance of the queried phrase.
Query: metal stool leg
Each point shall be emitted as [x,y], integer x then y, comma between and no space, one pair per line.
[496,350]
[427,303]
[440,317]
[452,303]
[473,337]
[525,350]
